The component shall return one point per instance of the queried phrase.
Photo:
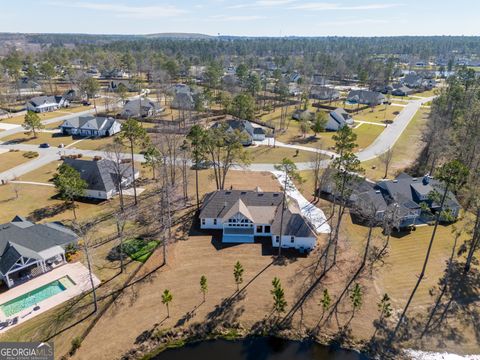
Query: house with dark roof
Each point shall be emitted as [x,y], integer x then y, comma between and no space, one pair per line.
[402,91]
[416,81]
[337,119]
[27,86]
[104,177]
[244,127]
[405,195]
[319,92]
[41,104]
[129,85]
[28,249]
[91,126]
[137,108]
[243,215]
[183,101]
[366,97]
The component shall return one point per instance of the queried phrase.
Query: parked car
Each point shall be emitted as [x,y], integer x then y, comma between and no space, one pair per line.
[86,103]
[44,146]
[206,164]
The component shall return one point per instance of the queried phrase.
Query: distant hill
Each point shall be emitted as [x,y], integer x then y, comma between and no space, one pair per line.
[179,36]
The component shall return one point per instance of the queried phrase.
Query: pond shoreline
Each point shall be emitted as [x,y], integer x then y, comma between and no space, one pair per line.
[152,343]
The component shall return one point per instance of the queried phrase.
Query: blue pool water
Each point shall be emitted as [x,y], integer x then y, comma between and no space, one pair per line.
[33,297]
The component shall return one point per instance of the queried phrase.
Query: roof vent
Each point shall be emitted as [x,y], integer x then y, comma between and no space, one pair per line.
[243,193]
[260,194]
[377,191]
[414,179]
[395,181]
[228,192]
[275,195]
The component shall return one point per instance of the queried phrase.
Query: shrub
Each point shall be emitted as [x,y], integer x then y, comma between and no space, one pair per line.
[76,343]
[30,154]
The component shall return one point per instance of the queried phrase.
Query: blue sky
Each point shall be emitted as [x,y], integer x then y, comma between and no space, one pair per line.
[244,17]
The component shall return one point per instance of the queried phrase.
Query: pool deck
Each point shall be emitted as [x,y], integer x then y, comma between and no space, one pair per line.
[77,272]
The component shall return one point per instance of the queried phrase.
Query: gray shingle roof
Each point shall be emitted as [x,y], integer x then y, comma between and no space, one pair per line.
[263,207]
[96,123]
[18,235]
[100,175]
[365,97]
[39,100]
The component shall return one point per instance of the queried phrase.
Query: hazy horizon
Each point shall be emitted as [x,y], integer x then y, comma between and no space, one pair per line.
[258,18]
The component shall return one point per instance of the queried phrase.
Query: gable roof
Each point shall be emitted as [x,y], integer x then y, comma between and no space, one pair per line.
[259,207]
[238,207]
[145,104]
[365,96]
[23,238]
[41,100]
[323,92]
[90,122]
[100,175]
[338,118]
[218,203]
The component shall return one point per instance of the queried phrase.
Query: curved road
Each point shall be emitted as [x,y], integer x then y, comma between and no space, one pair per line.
[383,142]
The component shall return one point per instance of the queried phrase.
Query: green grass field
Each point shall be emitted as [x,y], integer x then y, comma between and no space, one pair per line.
[139,249]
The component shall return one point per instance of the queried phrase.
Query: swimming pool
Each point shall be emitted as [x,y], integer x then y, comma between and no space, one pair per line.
[33,297]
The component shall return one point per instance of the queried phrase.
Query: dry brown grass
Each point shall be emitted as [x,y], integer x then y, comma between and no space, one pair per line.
[54,139]
[405,150]
[11,159]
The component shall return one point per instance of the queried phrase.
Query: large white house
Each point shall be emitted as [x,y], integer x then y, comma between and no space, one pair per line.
[244,215]
[92,126]
[41,104]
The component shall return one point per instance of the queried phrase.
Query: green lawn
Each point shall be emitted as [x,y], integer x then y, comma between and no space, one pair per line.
[139,249]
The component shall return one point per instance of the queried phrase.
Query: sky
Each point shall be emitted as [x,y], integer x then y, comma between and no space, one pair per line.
[243,17]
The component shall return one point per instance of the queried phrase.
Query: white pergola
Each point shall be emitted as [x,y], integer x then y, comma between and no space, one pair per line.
[30,258]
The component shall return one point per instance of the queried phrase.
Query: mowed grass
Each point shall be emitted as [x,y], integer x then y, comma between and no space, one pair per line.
[139,249]
[39,203]
[267,154]
[20,119]
[427,93]
[405,150]
[53,139]
[43,174]
[379,114]
[366,133]
[406,254]
[11,159]
[95,143]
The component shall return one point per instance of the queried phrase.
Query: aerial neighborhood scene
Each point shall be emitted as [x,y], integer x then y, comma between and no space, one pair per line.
[258,179]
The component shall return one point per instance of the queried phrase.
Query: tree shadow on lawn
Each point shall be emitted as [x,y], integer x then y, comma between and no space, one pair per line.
[48,212]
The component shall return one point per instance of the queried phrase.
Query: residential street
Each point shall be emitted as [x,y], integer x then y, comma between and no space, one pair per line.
[384,141]
[392,132]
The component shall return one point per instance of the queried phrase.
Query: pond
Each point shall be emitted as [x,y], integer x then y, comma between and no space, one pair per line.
[258,348]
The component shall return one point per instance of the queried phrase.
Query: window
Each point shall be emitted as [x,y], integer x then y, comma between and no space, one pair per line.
[277,239]
[259,229]
[267,229]
[203,221]
[214,221]
[292,239]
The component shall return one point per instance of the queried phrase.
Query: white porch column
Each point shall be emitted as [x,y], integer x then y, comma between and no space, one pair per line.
[9,282]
